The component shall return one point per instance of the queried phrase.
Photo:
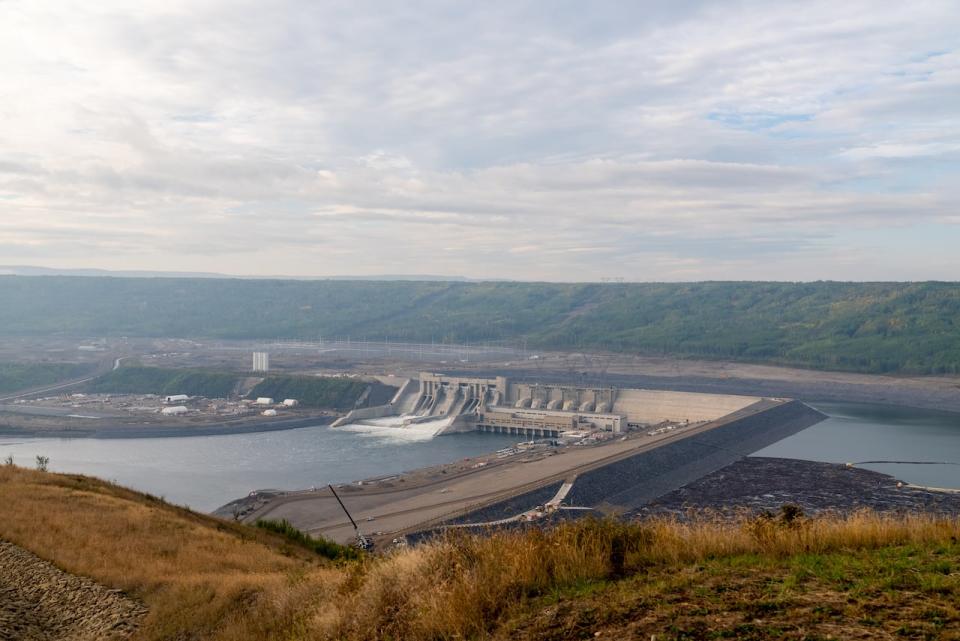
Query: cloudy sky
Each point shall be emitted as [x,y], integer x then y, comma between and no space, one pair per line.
[528,140]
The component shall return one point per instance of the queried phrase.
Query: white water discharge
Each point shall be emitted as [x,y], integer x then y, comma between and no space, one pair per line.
[392,427]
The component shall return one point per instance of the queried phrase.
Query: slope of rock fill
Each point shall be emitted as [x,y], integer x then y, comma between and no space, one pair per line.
[38,601]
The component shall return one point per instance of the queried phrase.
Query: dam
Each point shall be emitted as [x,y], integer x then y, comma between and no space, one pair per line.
[537,411]
[599,449]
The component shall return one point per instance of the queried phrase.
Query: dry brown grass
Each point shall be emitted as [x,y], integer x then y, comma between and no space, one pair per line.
[201,578]
[206,579]
[463,586]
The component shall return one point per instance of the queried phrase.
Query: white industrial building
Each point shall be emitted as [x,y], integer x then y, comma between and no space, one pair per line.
[290,402]
[176,398]
[261,362]
[265,400]
[269,412]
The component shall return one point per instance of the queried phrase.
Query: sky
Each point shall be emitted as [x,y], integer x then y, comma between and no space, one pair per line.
[560,140]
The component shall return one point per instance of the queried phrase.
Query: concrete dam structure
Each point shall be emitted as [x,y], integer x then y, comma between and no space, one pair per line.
[669,439]
[584,449]
[531,410]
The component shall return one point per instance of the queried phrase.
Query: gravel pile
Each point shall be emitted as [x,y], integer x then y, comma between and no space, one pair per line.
[762,483]
[40,602]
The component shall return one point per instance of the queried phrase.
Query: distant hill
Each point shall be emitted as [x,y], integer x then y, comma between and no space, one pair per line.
[870,327]
[32,270]
[20,376]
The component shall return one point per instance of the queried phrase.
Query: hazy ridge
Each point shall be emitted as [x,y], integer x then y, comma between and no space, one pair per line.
[871,327]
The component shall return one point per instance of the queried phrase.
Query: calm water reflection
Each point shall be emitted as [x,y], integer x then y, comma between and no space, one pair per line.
[856,433]
[205,472]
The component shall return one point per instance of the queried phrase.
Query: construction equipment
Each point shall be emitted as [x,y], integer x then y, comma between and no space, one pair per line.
[362,542]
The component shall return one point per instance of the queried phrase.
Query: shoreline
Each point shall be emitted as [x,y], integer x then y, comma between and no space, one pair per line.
[867,394]
[716,377]
[165,431]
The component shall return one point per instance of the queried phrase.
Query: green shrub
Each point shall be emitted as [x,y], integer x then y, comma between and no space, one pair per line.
[321,546]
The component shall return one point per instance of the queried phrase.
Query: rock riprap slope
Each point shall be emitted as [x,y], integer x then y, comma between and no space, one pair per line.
[38,601]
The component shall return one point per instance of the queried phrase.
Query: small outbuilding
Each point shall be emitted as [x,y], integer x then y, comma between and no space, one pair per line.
[290,402]
[269,412]
[264,400]
[176,398]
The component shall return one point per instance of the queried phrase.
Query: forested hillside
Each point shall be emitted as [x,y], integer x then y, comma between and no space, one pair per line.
[312,391]
[161,381]
[18,376]
[872,327]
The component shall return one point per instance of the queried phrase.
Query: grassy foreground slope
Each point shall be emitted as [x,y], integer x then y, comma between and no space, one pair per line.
[872,327]
[864,576]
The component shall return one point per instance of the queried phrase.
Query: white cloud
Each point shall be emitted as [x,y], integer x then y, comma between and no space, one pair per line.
[308,138]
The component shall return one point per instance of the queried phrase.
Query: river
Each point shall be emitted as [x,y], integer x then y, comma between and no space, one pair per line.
[205,472]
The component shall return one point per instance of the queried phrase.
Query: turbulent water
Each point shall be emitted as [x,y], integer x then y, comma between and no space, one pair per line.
[208,471]
[393,427]
[927,442]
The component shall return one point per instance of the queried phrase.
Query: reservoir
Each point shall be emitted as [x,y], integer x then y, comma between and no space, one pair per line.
[205,472]
[855,433]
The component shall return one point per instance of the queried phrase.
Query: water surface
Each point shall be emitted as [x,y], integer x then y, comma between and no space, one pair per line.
[208,471]
[858,432]
[205,472]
